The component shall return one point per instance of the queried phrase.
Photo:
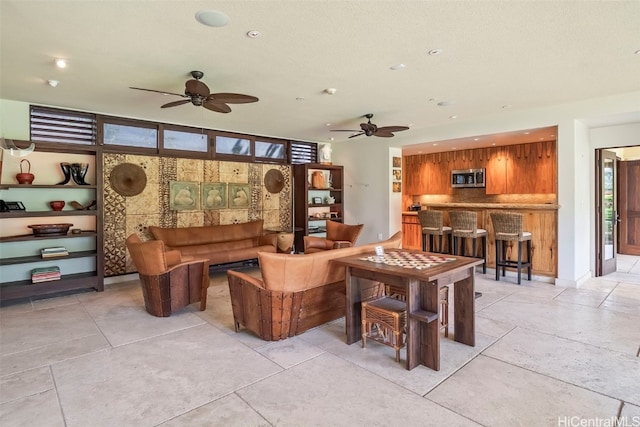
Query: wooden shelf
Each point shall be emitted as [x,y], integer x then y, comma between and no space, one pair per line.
[38,258]
[48,186]
[34,214]
[27,237]
[24,288]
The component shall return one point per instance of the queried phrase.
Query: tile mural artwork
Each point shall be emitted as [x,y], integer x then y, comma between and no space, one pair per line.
[239,195]
[214,195]
[184,195]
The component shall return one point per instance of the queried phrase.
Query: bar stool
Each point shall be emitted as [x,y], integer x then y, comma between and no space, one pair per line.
[431,223]
[384,318]
[508,228]
[464,225]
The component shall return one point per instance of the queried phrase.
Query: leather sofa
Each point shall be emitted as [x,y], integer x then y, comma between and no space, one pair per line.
[220,244]
[296,291]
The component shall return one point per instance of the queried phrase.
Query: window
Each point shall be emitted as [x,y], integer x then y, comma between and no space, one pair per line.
[187,141]
[303,152]
[270,150]
[54,125]
[130,136]
[231,145]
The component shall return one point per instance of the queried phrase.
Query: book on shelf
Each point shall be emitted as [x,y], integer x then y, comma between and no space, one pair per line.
[54,252]
[45,270]
[44,279]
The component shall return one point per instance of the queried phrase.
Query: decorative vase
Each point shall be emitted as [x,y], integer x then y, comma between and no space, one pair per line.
[57,205]
[25,177]
[78,172]
[66,170]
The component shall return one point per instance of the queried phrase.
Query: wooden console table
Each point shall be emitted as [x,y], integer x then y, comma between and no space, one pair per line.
[423,309]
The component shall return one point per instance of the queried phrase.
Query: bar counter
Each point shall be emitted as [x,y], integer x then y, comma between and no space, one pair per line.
[541,219]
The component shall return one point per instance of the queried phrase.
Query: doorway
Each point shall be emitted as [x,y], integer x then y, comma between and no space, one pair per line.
[606,212]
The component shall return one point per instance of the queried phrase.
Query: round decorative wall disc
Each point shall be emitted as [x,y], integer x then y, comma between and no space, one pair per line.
[274,181]
[128,179]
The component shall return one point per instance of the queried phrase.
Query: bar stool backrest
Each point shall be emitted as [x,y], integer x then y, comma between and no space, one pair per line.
[431,221]
[464,223]
[508,226]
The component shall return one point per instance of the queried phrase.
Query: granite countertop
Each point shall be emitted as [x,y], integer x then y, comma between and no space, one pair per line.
[519,206]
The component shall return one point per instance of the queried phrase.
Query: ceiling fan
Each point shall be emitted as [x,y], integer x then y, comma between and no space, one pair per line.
[199,94]
[369,129]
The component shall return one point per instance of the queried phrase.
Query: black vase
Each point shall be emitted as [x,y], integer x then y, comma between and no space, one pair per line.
[67,173]
[78,172]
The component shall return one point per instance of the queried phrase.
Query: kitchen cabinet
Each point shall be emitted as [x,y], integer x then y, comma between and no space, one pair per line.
[83,267]
[411,232]
[531,168]
[496,170]
[314,205]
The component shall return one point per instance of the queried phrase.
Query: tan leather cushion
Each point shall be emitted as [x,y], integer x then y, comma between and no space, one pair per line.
[292,272]
[189,236]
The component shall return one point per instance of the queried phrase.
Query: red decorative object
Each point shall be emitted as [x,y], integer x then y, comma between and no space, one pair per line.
[25,177]
[50,229]
[57,205]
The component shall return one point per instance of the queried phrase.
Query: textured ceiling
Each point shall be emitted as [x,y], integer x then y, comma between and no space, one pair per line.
[524,54]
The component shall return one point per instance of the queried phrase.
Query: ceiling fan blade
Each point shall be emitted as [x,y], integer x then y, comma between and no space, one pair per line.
[357,134]
[383,134]
[159,91]
[233,98]
[196,87]
[176,103]
[216,106]
[392,128]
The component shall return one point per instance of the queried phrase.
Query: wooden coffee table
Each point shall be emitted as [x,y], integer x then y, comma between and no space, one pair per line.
[422,274]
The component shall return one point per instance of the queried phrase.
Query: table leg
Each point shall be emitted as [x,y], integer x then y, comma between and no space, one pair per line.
[464,307]
[423,340]
[353,313]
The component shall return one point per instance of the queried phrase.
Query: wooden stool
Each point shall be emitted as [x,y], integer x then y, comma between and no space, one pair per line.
[431,223]
[507,227]
[384,319]
[464,225]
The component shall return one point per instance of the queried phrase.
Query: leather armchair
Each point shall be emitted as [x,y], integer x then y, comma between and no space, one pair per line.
[169,281]
[338,236]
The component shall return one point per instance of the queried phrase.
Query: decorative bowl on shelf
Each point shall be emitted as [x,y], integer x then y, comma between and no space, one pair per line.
[57,205]
[40,230]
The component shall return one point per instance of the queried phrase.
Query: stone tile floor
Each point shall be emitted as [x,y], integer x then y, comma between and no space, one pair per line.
[544,356]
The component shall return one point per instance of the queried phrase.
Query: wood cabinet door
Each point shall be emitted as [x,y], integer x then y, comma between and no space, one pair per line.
[411,232]
[496,174]
[531,168]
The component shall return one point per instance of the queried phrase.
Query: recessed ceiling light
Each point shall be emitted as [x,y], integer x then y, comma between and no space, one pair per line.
[330,90]
[453,117]
[637,52]
[494,144]
[397,67]
[433,99]
[61,63]
[212,18]
[53,83]
[254,34]
[526,133]
[476,139]
[331,139]
[434,52]
[300,98]
[445,103]
[435,144]
[507,106]
[327,124]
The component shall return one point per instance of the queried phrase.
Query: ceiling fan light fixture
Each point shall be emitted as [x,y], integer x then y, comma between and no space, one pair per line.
[398,67]
[61,63]
[53,83]
[254,34]
[212,18]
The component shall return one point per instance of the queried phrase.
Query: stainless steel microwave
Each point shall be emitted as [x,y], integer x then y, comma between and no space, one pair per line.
[463,178]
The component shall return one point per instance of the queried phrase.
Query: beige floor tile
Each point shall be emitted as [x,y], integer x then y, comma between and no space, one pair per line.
[151,381]
[630,415]
[601,328]
[625,298]
[599,284]
[116,300]
[289,352]
[45,327]
[495,393]
[229,411]
[23,384]
[51,353]
[40,410]
[138,325]
[492,328]
[600,370]
[588,297]
[328,391]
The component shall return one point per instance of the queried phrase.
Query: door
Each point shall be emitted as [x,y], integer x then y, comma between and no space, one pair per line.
[606,207]
[629,205]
